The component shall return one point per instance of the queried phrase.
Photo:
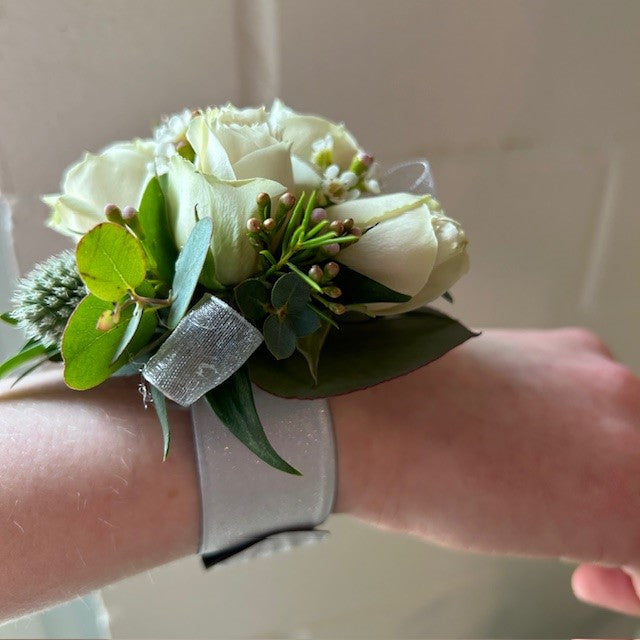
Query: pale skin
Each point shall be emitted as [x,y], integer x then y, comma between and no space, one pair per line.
[522,442]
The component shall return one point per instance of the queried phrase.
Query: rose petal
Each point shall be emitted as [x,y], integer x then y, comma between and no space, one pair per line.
[399,252]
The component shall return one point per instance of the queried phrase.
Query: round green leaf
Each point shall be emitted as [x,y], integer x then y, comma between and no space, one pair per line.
[291,291]
[279,338]
[252,298]
[88,353]
[303,322]
[361,354]
[111,261]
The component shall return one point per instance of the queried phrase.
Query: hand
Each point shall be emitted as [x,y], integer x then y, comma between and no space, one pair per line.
[524,442]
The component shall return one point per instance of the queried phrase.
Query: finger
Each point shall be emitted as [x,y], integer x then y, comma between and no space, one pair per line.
[606,587]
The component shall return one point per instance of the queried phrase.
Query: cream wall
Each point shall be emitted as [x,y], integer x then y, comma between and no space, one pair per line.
[529,112]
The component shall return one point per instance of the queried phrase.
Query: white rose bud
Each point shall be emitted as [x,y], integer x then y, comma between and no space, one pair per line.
[118,176]
[406,247]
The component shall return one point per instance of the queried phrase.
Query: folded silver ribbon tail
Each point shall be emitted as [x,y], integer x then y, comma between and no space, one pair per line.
[208,346]
[413,176]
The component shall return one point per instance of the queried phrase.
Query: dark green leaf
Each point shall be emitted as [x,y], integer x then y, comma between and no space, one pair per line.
[22,357]
[233,403]
[158,240]
[160,405]
[291,291]
[303,321]
[88,353]
[279,338]
[8,318]
[252,298]
[111,261]
[130,331]
[188,268]
[362,354]
[311,346]
[31,369]
[448,297]
[359,289]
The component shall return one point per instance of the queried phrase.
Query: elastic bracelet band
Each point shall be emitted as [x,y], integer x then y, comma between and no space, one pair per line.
[250,509]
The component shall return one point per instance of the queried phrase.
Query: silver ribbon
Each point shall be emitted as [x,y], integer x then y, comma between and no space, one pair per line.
[412,176]
[208,346]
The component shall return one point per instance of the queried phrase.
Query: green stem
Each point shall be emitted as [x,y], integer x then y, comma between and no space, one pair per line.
[312,283]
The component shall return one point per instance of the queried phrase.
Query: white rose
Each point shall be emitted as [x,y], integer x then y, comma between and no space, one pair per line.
[302,131]
[238,145]
[281,145]
[118,175]
[405,247]
[230,204]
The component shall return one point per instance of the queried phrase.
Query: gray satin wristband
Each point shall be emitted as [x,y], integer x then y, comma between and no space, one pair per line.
[250,509]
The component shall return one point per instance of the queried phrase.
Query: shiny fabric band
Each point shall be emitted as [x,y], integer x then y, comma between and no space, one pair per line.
[250,509]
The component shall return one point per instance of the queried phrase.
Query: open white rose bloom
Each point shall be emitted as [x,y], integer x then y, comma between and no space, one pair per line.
[217,161]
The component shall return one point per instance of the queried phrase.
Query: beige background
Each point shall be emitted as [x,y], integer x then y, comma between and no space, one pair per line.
[529,112]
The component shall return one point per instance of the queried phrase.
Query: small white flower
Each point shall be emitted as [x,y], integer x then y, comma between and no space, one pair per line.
[167,135]
[339,187]
[370,180]
[322,151]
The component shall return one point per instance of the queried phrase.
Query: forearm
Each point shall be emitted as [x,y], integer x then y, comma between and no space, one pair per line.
[85,496]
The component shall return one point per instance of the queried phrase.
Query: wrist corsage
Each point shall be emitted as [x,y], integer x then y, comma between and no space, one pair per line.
[238,247]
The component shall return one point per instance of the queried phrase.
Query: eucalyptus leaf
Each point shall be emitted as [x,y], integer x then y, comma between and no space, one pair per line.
[111,261]
[362,354]
[160,405]
[233,403]
[26,354]
[290,291]
[279,337]
[158,239]
[127,336]
[88,353]
[303,322]
[359,289]
[252,298]
[188,268]
[310,347]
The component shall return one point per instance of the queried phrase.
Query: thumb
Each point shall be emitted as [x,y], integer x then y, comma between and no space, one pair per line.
[612,588]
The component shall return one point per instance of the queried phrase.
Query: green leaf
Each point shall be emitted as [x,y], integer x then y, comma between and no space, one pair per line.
[310,347]
[160,405]
[448,297]
[130,331]
[32,368]
[233,403]
[359,289]
[362,354]
[290,291]
[111,261]
[188,268]
[252,298]
[158,239]
[8,318]
[303,322]
[26,354]
[279,338]
[88,353]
